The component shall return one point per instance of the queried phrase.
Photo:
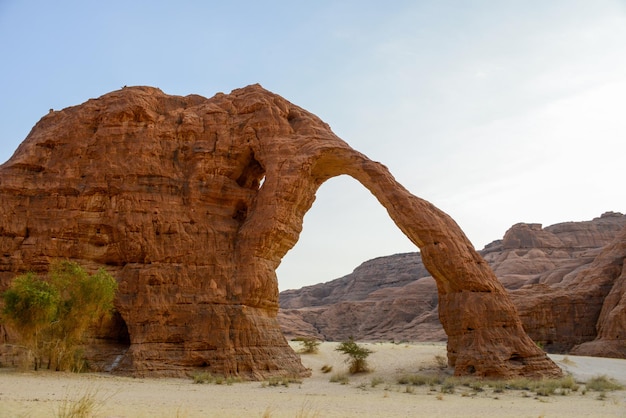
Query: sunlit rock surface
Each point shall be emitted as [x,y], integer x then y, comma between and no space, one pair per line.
[191,203]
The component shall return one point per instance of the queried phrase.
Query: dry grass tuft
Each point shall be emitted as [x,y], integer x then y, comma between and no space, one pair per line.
[83,407]
[420,379]
[281,381]
[603,384]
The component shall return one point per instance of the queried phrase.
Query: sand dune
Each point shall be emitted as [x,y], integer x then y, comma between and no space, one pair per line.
[41,394]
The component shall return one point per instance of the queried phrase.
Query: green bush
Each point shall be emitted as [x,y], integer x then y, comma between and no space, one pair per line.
[30,306]
[357,355]
[52,315]
[309,345]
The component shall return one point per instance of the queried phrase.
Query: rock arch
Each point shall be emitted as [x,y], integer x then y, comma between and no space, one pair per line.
[192,203]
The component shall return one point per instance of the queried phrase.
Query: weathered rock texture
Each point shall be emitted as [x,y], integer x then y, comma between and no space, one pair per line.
[387,298]
[566,280]
[191,203]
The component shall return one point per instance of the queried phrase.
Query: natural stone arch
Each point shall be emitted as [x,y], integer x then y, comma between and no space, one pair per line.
[195,224]
[485,334]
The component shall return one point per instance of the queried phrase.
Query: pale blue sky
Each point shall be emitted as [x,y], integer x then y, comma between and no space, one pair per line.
[496,111]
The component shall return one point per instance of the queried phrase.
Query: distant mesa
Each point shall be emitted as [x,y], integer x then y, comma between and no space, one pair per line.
[165,193]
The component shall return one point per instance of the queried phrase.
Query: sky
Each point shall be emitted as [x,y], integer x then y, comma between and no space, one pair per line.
[497,112]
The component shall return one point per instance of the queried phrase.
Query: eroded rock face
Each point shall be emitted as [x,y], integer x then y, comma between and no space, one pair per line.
[566,280]
[191,203]
[560,306]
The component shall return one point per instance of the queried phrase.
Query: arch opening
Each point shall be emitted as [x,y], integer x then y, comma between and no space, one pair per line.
[345,227]
[470,297]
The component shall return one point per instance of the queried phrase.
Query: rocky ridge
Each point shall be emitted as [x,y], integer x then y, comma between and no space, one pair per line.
[566,281]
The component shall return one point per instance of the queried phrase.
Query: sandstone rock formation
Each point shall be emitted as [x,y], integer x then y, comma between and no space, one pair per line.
[560,307]
[191,203]
[560,277]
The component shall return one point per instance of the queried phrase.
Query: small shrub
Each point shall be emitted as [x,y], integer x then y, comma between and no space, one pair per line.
[376,381]
[546,388]
[498,386]
[203,377]
[441,361]
[602,384]
[357,355]
[476,386]
[282,381]
[521,383]
[340,378]
[568,382]
[293,379]
[206,377]
[275,381]
[230,380]
[420,379]
[309,345]
[448,386]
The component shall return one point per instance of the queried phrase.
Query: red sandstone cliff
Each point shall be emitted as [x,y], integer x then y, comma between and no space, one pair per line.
[191,203]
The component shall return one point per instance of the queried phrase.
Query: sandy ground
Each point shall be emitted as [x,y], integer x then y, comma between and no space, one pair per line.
[375,394]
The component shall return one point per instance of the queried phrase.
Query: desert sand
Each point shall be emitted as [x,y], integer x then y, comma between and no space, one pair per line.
[377,393]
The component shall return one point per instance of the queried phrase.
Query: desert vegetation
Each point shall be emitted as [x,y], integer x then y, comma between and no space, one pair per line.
[469,386]
[52,314]
[281,381]
[357,355]
[86,405]
[402,378]
[309,345]
[206,377]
